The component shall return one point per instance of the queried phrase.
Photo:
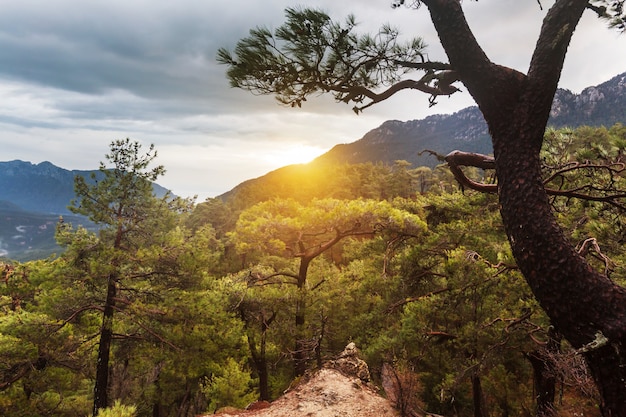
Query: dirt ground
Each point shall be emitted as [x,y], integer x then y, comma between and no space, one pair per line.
[325,393]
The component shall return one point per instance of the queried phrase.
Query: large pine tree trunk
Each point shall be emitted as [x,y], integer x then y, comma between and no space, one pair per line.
[585,307]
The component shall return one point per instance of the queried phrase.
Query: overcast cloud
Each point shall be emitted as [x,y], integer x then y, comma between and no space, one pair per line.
[75,75]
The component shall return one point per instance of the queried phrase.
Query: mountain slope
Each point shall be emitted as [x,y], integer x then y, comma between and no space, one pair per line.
[32,197]
[396,140]
[43,191]
[43,188]
[26,235]
[602,105]
[466,129]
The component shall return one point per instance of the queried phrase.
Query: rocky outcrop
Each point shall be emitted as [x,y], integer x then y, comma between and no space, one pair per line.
[340,388]
[600,105]
[349,363]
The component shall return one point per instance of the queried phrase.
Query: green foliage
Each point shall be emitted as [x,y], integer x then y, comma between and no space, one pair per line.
[589,162]
[274,232]
[612,11]
[118,410]
[288,227]
[456,297]
[214,212]
[310,53]
[123,191]
[165,301]
[319,181]
[232,387]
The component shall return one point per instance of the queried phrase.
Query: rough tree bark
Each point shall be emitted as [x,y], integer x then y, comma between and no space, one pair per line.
[586,307]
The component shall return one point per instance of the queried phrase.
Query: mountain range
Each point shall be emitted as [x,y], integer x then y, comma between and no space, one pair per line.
[33,196]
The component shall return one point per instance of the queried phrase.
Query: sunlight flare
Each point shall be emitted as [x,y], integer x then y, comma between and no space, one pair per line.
[292,154]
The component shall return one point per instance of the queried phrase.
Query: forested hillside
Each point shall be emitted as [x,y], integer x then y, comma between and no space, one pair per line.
[466,130]
[175,311]
[32,198]
[26,235]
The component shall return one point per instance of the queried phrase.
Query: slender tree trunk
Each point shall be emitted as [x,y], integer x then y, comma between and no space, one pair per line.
[260,363]
[157,409]
[319,340]
[264,387]
[301,348]
[544,375]
[478,397]
[259,356]
[100,391]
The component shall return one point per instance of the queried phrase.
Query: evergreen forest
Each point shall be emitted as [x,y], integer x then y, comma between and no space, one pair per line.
[174,308]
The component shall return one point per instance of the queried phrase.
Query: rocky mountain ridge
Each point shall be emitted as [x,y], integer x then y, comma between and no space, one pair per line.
[597,105]
[44,187]
[601,105]
[41,188]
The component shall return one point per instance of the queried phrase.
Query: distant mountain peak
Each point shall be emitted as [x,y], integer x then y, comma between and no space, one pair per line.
[603,104]
[43,187]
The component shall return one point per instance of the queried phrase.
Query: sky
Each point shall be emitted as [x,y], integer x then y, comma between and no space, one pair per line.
[76,75]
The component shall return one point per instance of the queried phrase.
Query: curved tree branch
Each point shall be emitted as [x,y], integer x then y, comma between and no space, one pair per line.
[458,159]
[442,87]
[485,81]
[549,56]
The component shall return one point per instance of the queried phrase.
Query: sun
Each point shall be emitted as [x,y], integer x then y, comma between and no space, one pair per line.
[294,154]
